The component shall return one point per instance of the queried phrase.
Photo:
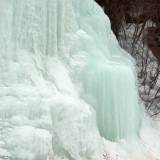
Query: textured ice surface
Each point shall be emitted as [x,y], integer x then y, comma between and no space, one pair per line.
[64,80]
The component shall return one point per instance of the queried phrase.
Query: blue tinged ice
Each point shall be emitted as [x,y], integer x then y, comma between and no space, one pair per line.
[65,84]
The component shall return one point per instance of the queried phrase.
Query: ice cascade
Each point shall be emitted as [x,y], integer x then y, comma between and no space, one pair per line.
[65,82]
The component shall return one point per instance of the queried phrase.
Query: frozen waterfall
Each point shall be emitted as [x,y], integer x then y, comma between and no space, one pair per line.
[65,83]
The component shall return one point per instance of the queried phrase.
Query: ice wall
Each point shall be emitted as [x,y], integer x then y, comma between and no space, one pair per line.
[107,75]
[64,81]
[41,113]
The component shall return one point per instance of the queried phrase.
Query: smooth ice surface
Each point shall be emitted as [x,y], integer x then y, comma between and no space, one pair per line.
[64,81]
[107,75]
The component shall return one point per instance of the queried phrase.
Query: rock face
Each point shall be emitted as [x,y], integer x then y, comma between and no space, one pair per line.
[153,40]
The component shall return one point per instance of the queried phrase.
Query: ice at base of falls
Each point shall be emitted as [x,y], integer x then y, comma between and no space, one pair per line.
[64,81]
[39,111]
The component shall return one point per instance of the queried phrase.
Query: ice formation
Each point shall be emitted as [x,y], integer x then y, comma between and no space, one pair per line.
[65,83]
